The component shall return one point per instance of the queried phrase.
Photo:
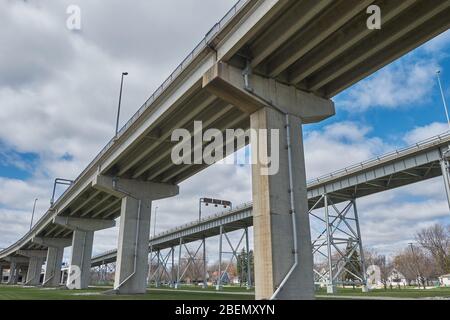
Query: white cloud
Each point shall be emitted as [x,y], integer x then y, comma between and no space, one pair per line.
[338,146]
[403,84]
[422,133]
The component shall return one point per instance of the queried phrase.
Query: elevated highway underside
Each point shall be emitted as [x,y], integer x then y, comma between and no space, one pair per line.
[312,49]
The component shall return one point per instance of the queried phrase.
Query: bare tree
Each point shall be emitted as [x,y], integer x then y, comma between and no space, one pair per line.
[436,240]
[415,264]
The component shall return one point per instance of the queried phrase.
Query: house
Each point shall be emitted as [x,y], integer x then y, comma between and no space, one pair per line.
[396,278]
[445,280]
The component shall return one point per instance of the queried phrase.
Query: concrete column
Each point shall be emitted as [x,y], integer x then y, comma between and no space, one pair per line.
[134,231]
[273,230]
[267,101]
[132,254]
[34,271]
[82,239]
[52,277]
[36,260]
[80,262]
[12,279]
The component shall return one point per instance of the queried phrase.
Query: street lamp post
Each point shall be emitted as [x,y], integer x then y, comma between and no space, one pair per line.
[120,101]
[438,73]
[32,214]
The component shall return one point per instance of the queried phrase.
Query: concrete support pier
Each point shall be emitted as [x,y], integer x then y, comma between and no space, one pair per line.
[273,229]
[36,260]
[52,276]
[82,240]
[278,173]
[134,233]
[12,279]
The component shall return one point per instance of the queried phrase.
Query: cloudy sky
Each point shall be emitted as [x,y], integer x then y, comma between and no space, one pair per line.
[58,98]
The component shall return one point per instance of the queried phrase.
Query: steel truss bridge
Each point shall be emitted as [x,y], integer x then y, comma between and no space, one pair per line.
[332,203]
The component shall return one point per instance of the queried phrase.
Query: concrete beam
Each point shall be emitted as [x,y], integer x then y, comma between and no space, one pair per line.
[272,214]
[137,189]
[84,224]
[17,260]
[227,82]
[53,242]
[32,253]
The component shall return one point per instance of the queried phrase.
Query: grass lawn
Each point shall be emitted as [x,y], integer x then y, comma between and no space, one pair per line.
[409,292]
[96,293]
[196,293]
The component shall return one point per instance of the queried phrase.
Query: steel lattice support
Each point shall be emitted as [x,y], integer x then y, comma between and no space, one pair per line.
[337,248]
[234,255]
[445,167]
[161,272]
[191,258]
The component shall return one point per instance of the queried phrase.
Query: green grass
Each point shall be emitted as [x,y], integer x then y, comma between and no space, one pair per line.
[196,293]
[409,292]
[96,293]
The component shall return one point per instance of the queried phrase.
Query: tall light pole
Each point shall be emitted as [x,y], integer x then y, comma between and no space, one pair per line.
[32,214]
[120,101]
[438,74]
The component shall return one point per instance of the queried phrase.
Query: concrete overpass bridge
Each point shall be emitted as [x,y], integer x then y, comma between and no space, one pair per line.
[268,64]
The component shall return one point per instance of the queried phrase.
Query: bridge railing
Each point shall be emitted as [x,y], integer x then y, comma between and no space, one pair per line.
[394,154]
